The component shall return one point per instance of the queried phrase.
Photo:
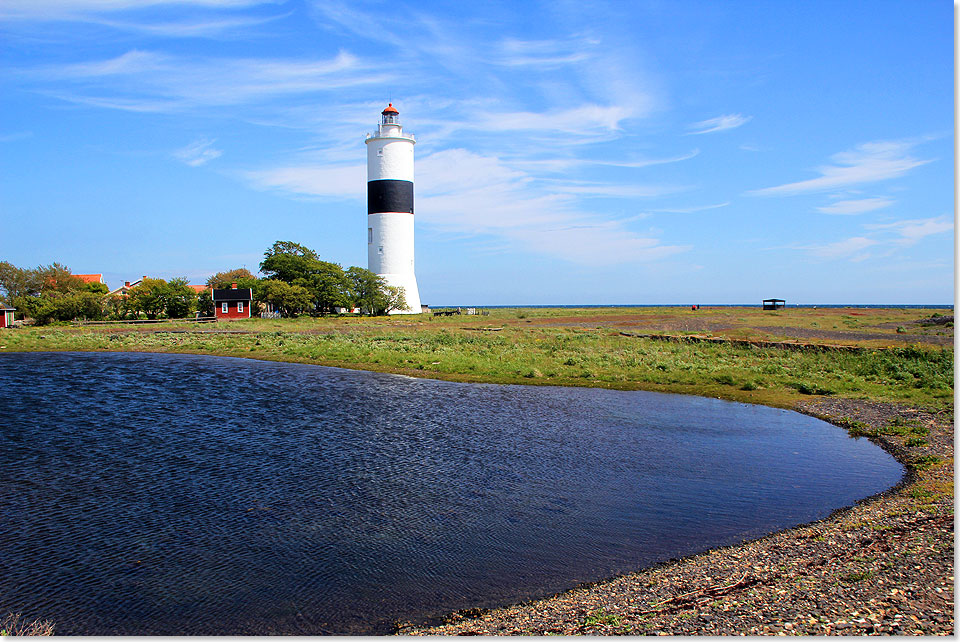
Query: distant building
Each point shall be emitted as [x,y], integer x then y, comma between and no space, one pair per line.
[233,303]
[199,288]
[90,278]
[774,304]
[6,316]
[124,289]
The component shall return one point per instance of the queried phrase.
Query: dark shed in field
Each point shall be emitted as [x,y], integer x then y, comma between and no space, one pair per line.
[773,304]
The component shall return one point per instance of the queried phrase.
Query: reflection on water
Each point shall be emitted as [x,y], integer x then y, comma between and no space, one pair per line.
[179,494]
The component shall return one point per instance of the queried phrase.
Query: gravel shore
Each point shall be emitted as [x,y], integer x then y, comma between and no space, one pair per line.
[884,566]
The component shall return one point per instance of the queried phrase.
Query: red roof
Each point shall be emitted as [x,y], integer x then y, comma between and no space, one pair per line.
[390,110]
[199,288]
[90,278]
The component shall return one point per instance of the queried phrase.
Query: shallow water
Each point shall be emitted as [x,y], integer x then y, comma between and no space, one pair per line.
[180,494]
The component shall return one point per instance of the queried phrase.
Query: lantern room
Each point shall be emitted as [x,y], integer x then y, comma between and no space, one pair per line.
[390,115]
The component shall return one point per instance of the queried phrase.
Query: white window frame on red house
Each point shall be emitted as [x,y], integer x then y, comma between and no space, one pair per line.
[225,308]
[239,306]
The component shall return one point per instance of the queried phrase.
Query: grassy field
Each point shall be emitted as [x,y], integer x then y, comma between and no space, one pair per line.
[901,359]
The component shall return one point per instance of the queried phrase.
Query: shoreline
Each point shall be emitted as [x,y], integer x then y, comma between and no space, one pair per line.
[881,566]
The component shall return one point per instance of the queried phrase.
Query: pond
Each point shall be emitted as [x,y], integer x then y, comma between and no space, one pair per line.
[181,494]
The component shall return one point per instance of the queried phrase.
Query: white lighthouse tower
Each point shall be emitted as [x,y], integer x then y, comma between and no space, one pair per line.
[390,207]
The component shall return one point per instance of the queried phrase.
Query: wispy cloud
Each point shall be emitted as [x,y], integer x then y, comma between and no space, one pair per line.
[341,182]
[197,153]
[566,164]
[719,124]
[889,238]
[542,54]
[867,163]
[150,81]
[691,210]
[851,248]
[584,119]
[188,28]
[502,205]
[73,9]
[913,230]
[9,138]
[462,192]
[857,206]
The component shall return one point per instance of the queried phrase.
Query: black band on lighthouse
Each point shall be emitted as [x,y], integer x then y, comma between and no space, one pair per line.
[387,195]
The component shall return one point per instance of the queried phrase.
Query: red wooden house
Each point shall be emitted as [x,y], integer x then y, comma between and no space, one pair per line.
[6,316]
[233,303]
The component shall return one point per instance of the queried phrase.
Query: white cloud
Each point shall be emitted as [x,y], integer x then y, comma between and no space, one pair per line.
[858,206]
[197,153]
[558,165]
[148,81]
[9,138]
[583,120]
[461,192]
[719,124]
[842,249]
[188,28]
[906,233]
[72,9]
[912,231]
[867,163]
[502,204]
[541,53]
[691,210]
[622,190]
[344,181]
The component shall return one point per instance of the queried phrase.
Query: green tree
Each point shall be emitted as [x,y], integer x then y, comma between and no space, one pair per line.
[57,278]
[205,304]
[291,300]
[298,265]
[148,297]
[241,276]
[16,282]
[329,286]
[370,293]
[180,300]
[394,299]
[288,261]
[96,288]
[63,306]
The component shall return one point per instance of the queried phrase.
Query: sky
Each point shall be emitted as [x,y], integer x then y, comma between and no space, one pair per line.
[568,152]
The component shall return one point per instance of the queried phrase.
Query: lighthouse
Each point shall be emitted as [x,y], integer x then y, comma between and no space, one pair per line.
[390,207]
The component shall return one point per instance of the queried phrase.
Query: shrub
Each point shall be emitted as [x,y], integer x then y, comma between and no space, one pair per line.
[13,625]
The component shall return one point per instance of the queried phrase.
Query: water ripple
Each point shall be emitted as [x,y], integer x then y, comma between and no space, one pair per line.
[179,494]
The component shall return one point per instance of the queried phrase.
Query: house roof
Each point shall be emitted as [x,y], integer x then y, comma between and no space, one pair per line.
[240,294]
[7,307]
[90,278]
[199,288]
[122,289]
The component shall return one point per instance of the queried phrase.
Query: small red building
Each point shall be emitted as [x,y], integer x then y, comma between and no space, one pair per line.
[6,316]
[233,303]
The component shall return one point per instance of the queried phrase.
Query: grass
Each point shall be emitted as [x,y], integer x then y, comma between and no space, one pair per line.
[601,618]
[553,347]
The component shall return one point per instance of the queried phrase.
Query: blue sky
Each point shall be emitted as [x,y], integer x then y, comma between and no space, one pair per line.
[568,152]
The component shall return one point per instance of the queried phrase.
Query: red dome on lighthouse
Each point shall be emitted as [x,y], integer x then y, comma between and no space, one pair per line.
[390,110]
